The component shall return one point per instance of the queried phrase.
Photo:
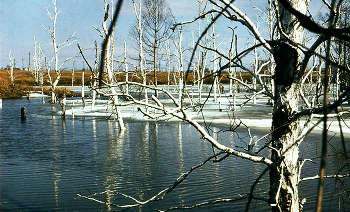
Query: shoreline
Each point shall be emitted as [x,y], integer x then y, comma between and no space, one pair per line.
[258,116]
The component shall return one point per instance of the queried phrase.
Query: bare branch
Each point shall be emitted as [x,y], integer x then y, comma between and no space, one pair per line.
[215,202]
[82,54]
[202,16]
[309,24]
[68,42]
[248,23]
[101,33]
[251,196]
[326,176]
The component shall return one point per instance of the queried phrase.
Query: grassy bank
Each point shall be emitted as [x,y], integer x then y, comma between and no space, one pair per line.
[24,81]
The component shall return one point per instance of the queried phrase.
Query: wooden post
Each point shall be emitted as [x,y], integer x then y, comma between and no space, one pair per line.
[23,113]
[28,96]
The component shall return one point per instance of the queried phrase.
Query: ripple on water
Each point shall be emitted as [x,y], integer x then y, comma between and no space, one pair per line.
[45,162]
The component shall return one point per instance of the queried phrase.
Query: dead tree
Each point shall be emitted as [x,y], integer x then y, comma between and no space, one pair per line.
[156,30]
[106,62]
[137,32]
[56,47]
[291,58]
[11,67]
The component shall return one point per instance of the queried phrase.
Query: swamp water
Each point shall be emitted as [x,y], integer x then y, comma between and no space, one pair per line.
[45,162]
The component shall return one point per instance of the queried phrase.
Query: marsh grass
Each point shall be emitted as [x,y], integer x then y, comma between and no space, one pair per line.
[24,81]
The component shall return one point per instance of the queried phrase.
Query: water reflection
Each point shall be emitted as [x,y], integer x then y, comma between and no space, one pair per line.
[137,160]
[45,162]
[94,131]
[111,181]
[179,137]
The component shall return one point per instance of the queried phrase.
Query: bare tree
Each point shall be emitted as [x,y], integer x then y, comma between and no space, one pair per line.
[291,57]
[201,56]
[179,55]
[284,177]
[137,33]
[156,30]
[56,47]
[11,66]
[107,58]
[37,62]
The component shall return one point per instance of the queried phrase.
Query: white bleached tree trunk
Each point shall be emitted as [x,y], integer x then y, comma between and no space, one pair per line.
[126,70]
[271,24]
[168,62]
[36,61]
[215,78]
[52,32]
[11,57]
[109,66]
[231,63]
[56,47]
[94,83]
[139,28]
[232,71]
[73,73]
[179,55]
[284,176]
[201,57]
[256,65]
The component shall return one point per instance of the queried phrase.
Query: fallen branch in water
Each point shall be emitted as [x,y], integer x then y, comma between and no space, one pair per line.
[328,176]
[156,197]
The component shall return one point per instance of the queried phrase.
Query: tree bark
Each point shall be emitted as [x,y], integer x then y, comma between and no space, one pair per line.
[155,47]
[55,48]
[284,171]
[109,67]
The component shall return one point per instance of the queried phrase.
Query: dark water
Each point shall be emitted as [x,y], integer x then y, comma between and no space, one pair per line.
[45,162]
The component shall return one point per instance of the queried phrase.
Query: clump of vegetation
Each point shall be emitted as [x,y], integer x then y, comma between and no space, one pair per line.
[10,90]
[24,82]
[60,92]
[17,88]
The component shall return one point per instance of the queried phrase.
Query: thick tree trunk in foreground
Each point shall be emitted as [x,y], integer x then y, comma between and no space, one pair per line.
[284,173]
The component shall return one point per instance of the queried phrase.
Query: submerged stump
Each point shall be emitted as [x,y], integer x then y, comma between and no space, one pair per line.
[23,113]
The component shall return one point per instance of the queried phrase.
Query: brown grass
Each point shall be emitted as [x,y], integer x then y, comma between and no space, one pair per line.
[162,77]
[24,80]
[22,83]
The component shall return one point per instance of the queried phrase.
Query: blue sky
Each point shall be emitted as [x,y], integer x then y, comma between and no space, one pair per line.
[20,22]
